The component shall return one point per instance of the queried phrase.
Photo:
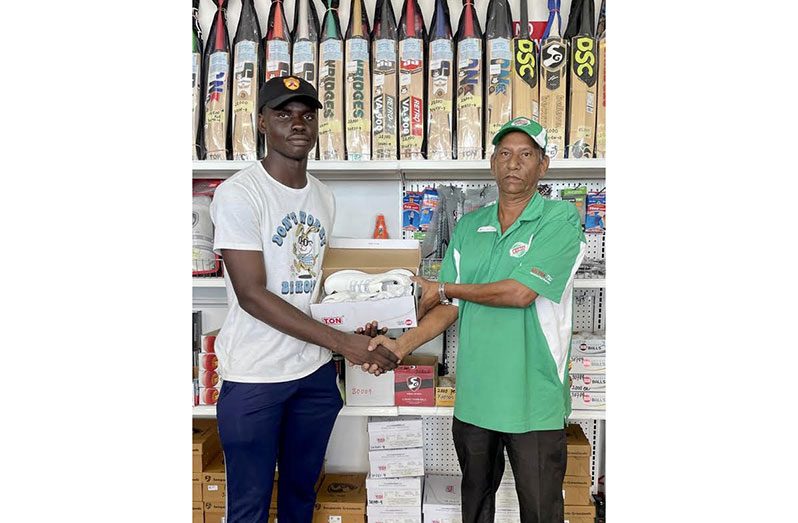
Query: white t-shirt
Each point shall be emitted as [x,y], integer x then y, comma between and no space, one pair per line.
[254,212]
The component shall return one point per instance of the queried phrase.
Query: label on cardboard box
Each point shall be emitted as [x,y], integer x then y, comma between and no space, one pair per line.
[588,345]
[596,382]
[580,514]
[588,400]
[394,514]
[445,396]
[396,434]
[588,364]
[415,381]
[396,463]
[394,492]
[367,390]
[506,495]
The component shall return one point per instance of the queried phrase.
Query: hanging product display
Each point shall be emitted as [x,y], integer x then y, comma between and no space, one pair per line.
[412,37]
[277,43]
[331,86]
[584,77]
[196,83]
[205,261]
[440,84]
[526,94]
[358,84]
[499,59]
[596,213]
[216,68]
[384,60]
[304,56]
[553,89]
[469,84]
[601,112]
[247,62]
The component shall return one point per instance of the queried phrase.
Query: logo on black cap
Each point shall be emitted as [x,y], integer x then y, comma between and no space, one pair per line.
[291,83]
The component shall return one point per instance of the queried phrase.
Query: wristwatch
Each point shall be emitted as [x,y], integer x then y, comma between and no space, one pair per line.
[442,295]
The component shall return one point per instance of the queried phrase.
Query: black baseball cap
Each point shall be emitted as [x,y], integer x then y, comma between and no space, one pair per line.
[281,89]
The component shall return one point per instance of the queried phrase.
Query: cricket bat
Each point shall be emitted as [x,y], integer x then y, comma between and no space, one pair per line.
[412,36]
[499,60]
[358,85]
[196,83]
[385,58]
[331,86]
[304,56]
[601,117]
[553,91]
[277,43]
[247,65]
[584,77]
[440,84]
[217,87]
[469,84]
[526,94]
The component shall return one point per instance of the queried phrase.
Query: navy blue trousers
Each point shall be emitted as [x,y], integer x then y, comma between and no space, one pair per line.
[262,423]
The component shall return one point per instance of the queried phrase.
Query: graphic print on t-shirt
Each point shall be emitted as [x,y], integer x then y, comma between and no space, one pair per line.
[307,238]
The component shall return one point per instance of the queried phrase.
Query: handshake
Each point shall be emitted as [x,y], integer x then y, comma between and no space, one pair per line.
[372,350]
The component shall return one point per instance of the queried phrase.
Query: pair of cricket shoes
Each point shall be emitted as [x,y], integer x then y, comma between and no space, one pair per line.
[353,285]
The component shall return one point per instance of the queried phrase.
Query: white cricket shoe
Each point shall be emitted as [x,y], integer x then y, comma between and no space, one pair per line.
[394,283]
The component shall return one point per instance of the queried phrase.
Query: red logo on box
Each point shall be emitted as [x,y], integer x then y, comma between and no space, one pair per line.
[333,320]
[413,383]
[408,321]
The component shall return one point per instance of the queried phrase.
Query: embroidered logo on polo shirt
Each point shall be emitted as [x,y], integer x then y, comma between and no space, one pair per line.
[518,249]
[540,274]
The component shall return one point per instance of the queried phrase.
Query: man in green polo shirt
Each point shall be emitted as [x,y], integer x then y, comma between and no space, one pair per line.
[508,275]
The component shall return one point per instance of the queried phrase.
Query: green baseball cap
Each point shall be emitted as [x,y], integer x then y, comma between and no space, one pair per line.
[526,125]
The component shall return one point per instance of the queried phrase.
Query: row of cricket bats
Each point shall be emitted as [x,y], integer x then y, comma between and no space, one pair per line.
[396,91]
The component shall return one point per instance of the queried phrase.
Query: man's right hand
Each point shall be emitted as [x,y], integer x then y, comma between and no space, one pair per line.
[355,348]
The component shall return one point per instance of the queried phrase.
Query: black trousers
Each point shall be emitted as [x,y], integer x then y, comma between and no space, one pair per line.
[537,458]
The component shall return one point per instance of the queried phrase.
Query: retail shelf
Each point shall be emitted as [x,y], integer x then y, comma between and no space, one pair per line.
[324,170]
[209,411]
[579,283]
[411,169]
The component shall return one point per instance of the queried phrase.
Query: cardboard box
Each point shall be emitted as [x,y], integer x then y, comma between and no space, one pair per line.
[442,499]
[394,492]
[397,463]
[445,396]
[214,481]
[208,341]
[576,490]
[588,364]
[205,445]
[394,514]
[580,514]
[588,400]
[209,395]
[578,451]
[197,515]
[415,381]
[341,498]
[373,257]
[506,495]
[507,515]
[588,382]
[215,517]
[399,434]
[196,488]
[213,506]
[588,344]
[367,390]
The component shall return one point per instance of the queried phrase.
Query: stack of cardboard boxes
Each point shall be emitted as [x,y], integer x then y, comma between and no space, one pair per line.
[579,507]
[396,470]
[588,367]
[206,447]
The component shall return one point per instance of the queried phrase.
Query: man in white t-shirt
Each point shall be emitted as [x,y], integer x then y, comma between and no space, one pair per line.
[279,397]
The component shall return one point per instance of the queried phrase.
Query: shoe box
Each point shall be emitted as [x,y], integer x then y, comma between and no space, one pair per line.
[341,498]
[367,390]
[442,498]
[396,434]
[372,257]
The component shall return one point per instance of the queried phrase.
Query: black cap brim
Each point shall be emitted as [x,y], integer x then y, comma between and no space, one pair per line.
[280,100]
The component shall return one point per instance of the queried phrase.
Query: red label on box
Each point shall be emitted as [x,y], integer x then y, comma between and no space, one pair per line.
[414,385]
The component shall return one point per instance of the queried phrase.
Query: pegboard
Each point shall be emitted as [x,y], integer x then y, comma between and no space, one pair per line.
[440,456]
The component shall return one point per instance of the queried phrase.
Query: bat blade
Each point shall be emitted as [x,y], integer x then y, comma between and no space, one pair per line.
[553,91]
[441,89]
[411,98]
[385,109]
[331,90]
[499,61]
[601,117]
[469,99]
[584,77]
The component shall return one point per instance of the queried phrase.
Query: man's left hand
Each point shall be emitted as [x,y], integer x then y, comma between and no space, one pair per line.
[429,295]
[371,329]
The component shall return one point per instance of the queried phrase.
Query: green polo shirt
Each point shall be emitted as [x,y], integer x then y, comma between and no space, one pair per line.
[512,363]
